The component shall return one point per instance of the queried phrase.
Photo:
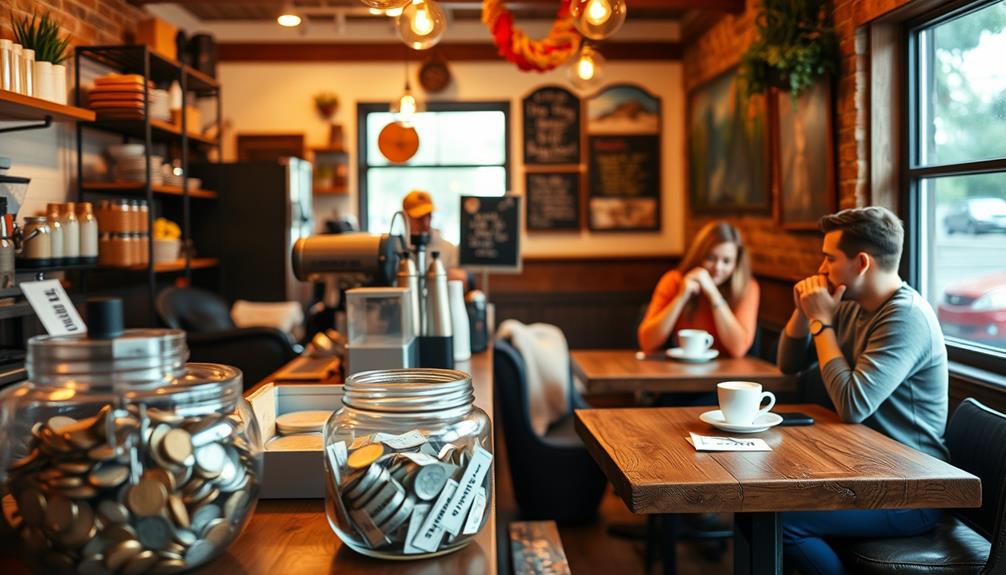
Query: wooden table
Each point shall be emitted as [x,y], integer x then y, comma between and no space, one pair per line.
[618,371]
[293,536]
[826,466]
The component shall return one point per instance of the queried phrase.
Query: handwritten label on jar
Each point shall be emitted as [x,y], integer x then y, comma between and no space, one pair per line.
[53,307]
[406,440]
[432,529]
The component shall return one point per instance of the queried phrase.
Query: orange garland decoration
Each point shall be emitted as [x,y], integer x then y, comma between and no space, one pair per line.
[559,46]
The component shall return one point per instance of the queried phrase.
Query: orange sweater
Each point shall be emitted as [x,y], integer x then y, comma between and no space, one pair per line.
[746,311]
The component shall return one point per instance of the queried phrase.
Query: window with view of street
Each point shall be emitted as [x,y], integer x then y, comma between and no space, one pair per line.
[957,172]
[462,151]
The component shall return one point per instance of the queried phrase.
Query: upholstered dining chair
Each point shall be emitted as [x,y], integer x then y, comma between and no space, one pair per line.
[966,541]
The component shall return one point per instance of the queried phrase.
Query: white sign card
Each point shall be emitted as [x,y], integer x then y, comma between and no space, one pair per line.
[53,307]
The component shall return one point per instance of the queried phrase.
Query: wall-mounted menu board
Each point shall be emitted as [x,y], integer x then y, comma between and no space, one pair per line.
[623,163]
[490,233]
[553,200]
[551,127]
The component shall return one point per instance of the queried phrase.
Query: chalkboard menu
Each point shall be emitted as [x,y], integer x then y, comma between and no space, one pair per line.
[623,163]
[551,127]
[490,233]
[553,200]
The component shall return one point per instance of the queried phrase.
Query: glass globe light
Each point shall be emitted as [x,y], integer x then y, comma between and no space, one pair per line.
[385,5]
[598,19]
[586,72]
[422,24]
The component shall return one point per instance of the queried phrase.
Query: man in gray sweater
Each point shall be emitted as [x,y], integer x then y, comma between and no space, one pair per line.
[883,362]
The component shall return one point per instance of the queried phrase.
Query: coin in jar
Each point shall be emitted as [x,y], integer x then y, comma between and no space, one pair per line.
[82,529]
[59,514]
[398,518]
[154,532]
[120,554]
[203,515]
[199,552]
[179,513]
[142,562]
[108,475]
[177,446]
[147,497]
[112,513]
[365,455]
[429,481]
[32,505]
[218,532]
[210,460]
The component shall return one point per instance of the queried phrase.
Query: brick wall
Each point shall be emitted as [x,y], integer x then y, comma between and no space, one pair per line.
[779,253]
[98,22]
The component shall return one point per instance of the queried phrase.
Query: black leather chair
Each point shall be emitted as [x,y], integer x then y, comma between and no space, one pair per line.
[553,476]
[213,337]
[966,540]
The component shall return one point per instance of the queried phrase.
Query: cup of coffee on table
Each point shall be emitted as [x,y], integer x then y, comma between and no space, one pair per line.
[740,401]
[694,342]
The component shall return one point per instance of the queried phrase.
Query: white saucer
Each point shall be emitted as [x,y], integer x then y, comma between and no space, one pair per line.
[761,423]
[680,355]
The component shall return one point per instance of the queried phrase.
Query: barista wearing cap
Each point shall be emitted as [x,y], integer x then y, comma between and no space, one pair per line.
[418,206]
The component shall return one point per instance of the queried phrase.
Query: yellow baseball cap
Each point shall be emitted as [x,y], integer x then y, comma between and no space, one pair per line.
[417,204]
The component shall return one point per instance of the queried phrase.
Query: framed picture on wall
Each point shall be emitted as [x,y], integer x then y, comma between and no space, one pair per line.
[623,160]
[728,140]
[804,157]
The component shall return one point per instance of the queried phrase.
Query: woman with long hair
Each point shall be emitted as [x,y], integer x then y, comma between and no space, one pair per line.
[712,290]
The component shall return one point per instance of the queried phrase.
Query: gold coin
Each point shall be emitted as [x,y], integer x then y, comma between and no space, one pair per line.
[66,482]
[59,422]
[141,563]
[147,497]
[60,514]
[103,452]
[112,513]
[217,532]
[169,566]
[81,492]
[179,514]
[365,455]
[107,476]
[82,529]
[177,445]
[161,476]
[119,533]
[121,553]
[75,467]
[32,506]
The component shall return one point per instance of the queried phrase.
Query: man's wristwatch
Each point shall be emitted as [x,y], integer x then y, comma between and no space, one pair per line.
[817,326]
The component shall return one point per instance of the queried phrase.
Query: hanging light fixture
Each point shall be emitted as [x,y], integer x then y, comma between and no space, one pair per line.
[407,106]
[385,5]
[288,16]
[422,24]
[586,71]
[394,12]
[598,19]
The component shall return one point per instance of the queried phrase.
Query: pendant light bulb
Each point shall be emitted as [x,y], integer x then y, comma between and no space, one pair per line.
[393,12]
[288,17]
[598,19]
[586,71]
[422,24]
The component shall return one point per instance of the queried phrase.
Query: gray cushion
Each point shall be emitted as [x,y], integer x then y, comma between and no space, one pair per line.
[951,547]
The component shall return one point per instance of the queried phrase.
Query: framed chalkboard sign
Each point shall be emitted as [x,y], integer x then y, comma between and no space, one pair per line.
[490,233]
[553,201]
[623,164]
[551,127]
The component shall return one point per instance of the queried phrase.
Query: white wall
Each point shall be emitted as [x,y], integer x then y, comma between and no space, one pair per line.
[276,97]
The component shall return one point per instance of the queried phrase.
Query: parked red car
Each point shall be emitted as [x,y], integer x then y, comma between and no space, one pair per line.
[976,310]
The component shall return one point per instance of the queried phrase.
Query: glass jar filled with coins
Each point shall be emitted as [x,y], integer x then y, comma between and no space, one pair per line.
[408,461]
[120,457]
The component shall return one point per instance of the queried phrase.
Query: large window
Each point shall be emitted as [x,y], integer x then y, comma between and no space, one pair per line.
[463,150]
[957,172]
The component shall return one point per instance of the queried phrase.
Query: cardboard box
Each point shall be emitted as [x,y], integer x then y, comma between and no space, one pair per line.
[159,36]
[292,474]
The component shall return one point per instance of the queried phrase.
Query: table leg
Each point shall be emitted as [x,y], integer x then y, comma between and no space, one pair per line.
[757,543]
[668,525]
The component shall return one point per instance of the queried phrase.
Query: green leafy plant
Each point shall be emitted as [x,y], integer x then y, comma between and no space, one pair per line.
[794,47]
[43,36]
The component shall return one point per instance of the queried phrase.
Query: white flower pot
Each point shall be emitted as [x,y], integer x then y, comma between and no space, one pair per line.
[59,82]
[43,87]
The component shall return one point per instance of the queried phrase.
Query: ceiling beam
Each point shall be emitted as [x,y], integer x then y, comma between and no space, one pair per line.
[734,6]
[395,52]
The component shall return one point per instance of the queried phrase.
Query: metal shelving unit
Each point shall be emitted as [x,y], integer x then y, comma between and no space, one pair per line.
[138,59]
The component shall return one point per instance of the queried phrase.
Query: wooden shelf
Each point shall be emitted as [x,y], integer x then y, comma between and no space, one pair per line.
[139,187]
[179,265]
[332,191]
[20,107]
[159,130]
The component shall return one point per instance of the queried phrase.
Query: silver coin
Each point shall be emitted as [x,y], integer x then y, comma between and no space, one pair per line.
[185,537]
[210,459]
[236,506]
[380,498]
[202,516]
[199,552]
[154,532]
[388,509]
[383,478]
[398,518]
[429,481]
[358,485]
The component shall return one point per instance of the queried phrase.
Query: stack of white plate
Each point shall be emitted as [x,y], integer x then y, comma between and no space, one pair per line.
[159,108]
[134,169]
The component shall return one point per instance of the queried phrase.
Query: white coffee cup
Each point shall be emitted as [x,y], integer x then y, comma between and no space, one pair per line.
[694,341]
[740,401]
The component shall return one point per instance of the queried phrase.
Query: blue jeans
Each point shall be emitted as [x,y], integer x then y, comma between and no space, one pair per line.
[803,533]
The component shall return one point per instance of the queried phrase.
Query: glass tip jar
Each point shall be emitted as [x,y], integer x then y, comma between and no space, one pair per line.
[408,461]
[118,456]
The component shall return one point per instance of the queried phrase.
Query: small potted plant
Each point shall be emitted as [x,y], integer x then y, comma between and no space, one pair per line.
[326,103]
[51,49]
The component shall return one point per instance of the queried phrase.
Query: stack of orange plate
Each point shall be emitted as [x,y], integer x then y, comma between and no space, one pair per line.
[118,97]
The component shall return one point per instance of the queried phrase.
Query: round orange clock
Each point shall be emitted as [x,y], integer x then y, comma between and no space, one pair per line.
[398,142]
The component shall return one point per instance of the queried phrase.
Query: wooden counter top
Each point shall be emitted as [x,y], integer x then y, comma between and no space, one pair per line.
[293,536]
